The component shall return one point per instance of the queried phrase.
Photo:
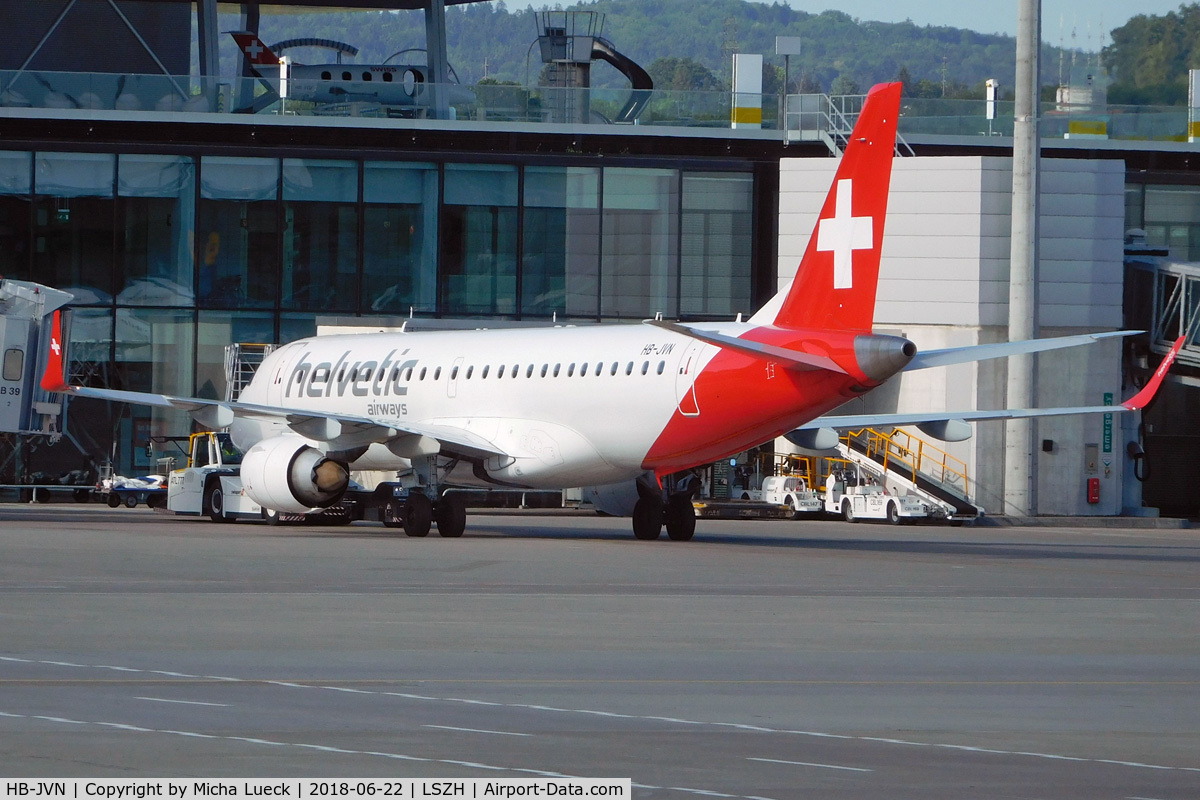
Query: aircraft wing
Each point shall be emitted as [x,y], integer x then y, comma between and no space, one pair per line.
[983,352]
[1135,403]
[307,422]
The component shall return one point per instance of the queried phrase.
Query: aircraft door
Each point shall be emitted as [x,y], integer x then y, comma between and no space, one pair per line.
[685,380]
[452,378]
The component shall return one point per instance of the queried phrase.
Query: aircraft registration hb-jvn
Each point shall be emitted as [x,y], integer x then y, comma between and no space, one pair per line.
[561,407]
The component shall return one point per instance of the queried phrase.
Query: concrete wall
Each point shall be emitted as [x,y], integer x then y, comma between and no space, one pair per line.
[944,283]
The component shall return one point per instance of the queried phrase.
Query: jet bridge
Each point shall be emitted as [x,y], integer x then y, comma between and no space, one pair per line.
[25,407]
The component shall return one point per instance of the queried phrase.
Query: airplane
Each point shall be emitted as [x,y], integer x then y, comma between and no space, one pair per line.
[608,405]
[386,84]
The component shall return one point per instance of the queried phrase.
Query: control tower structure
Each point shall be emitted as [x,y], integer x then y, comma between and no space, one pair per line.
[569,42]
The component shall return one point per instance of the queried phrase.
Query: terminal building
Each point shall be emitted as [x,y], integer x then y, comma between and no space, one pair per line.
[180,225]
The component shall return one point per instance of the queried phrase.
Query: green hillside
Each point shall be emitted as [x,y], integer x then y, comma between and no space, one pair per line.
[837,47]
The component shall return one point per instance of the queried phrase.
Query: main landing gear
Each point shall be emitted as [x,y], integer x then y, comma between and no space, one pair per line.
[417,513]
[670,506]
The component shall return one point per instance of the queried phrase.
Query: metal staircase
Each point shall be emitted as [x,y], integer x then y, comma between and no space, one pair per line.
[242,360]
[829,119]
[903,460]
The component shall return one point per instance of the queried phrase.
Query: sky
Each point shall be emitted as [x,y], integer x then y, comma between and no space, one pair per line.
[1090,18]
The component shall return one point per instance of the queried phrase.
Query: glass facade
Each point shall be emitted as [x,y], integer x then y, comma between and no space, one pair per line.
[1170,215]
[171,257]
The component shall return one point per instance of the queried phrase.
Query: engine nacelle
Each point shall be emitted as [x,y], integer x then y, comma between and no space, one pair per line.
[285,473]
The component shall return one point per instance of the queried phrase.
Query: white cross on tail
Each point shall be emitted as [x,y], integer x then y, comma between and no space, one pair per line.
[843,234]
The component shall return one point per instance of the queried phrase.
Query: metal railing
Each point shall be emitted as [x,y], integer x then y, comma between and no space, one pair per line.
[801,117]
[913,457]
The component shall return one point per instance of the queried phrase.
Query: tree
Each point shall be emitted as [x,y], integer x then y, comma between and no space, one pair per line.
[682,75]
[844,84]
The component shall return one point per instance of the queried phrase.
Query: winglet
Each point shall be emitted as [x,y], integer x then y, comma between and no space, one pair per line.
[1142,398]
[53,378]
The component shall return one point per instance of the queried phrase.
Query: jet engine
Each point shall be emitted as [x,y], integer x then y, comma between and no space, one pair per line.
[285,473]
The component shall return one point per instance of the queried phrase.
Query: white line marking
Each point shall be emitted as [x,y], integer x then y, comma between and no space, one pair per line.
[183,702]
[809,764]
[541,773]
[475,730]
[615,715]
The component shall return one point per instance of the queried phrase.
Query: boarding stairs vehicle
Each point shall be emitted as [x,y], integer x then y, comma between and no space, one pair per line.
[910,466]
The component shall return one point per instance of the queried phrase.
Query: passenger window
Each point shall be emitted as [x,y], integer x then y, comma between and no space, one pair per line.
[345,76]
[454,373]
[599,368]
[583,370]
[366,374]
[408,374]
[645,367]
[500,372]
[437,373]
[326,75]
[387,77]
[629,368]
[545,369]
[423,373]
[613,371]
[571,370]
[470,369]
[557,367]
[14,364]
[366,76]
[661,366]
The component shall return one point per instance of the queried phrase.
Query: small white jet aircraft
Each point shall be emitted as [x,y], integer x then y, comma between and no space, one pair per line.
[560,407]
[386,84]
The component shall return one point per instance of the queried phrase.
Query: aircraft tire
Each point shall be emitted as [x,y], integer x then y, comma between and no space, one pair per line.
[647,519]
[681,519]
[893,513]
[418,515]
[451,517]
[848,511]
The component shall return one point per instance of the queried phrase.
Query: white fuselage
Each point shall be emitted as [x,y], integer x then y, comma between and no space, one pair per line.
[571,406]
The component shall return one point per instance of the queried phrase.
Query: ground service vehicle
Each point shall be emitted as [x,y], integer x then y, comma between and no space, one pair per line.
[855,495]
[792,491]
[210,484]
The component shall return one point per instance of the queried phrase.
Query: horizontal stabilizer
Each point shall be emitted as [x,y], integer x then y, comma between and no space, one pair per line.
[791,359]
[1135,403]
[983,352]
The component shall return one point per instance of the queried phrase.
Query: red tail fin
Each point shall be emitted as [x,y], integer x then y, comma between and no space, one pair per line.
[257,53]
[53,379]
[835,284]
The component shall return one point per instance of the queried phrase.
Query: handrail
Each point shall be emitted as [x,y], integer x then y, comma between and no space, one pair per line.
[902,451]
